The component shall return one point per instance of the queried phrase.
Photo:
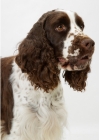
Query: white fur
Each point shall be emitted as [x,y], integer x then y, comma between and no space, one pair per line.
[74,30]
[37,115]
[76,52]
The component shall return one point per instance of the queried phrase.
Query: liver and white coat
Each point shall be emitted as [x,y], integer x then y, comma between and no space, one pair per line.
[32,95]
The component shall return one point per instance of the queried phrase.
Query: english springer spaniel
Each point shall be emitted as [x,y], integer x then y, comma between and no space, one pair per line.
[32,96]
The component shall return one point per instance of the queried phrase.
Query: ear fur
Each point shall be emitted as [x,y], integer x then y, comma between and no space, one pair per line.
[77,79]
[6,95]
[36,58]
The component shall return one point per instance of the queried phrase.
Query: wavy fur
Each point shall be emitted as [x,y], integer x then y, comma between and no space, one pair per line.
[32,103]
[77,79]
[37,58]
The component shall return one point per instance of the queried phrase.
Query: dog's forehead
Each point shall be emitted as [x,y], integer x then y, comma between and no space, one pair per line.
[70,14]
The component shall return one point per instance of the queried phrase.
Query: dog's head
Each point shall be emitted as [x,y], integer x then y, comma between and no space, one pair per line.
[57,41]
[73,48]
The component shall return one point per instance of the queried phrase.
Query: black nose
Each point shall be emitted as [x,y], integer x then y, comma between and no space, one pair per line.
[88,43]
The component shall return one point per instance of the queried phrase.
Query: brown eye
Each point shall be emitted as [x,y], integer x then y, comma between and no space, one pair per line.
[61,28]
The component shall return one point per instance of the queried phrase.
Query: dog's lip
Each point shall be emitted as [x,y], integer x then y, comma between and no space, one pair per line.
[79,61]
[63,62]
[85,57]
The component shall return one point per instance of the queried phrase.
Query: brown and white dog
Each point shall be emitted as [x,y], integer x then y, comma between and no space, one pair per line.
[32,97]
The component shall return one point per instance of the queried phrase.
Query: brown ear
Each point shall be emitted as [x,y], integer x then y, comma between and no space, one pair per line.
[6,94]
[77,79]
[36,58]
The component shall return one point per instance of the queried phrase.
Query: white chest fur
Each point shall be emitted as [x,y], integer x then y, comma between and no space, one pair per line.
[37,115]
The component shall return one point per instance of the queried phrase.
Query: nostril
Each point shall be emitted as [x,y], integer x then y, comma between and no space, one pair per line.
[87,44]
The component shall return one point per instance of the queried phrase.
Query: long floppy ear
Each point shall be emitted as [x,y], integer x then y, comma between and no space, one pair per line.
[77,79]
[36,58]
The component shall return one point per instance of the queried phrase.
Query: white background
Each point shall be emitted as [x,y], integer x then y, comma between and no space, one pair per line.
[18,16]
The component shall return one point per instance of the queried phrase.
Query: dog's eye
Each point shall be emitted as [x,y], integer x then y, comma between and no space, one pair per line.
[61,28]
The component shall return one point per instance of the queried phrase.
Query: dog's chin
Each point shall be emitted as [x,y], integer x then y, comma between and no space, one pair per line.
[76,66]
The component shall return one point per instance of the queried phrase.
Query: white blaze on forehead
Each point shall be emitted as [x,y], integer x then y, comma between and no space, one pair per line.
[74,30]
[73,24]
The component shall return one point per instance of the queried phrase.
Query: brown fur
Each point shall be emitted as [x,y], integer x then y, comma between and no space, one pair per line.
[36,58]
[77,79]
[39,51]
[38,54]
[76,44]
[6,94]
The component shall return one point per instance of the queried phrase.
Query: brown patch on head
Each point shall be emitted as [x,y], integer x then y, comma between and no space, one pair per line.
[79,21]
[54,21]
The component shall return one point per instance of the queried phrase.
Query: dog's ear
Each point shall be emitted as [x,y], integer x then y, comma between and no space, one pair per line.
[77,79]
[36,58]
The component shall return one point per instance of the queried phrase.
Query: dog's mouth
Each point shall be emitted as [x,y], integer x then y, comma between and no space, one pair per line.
[74,63]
